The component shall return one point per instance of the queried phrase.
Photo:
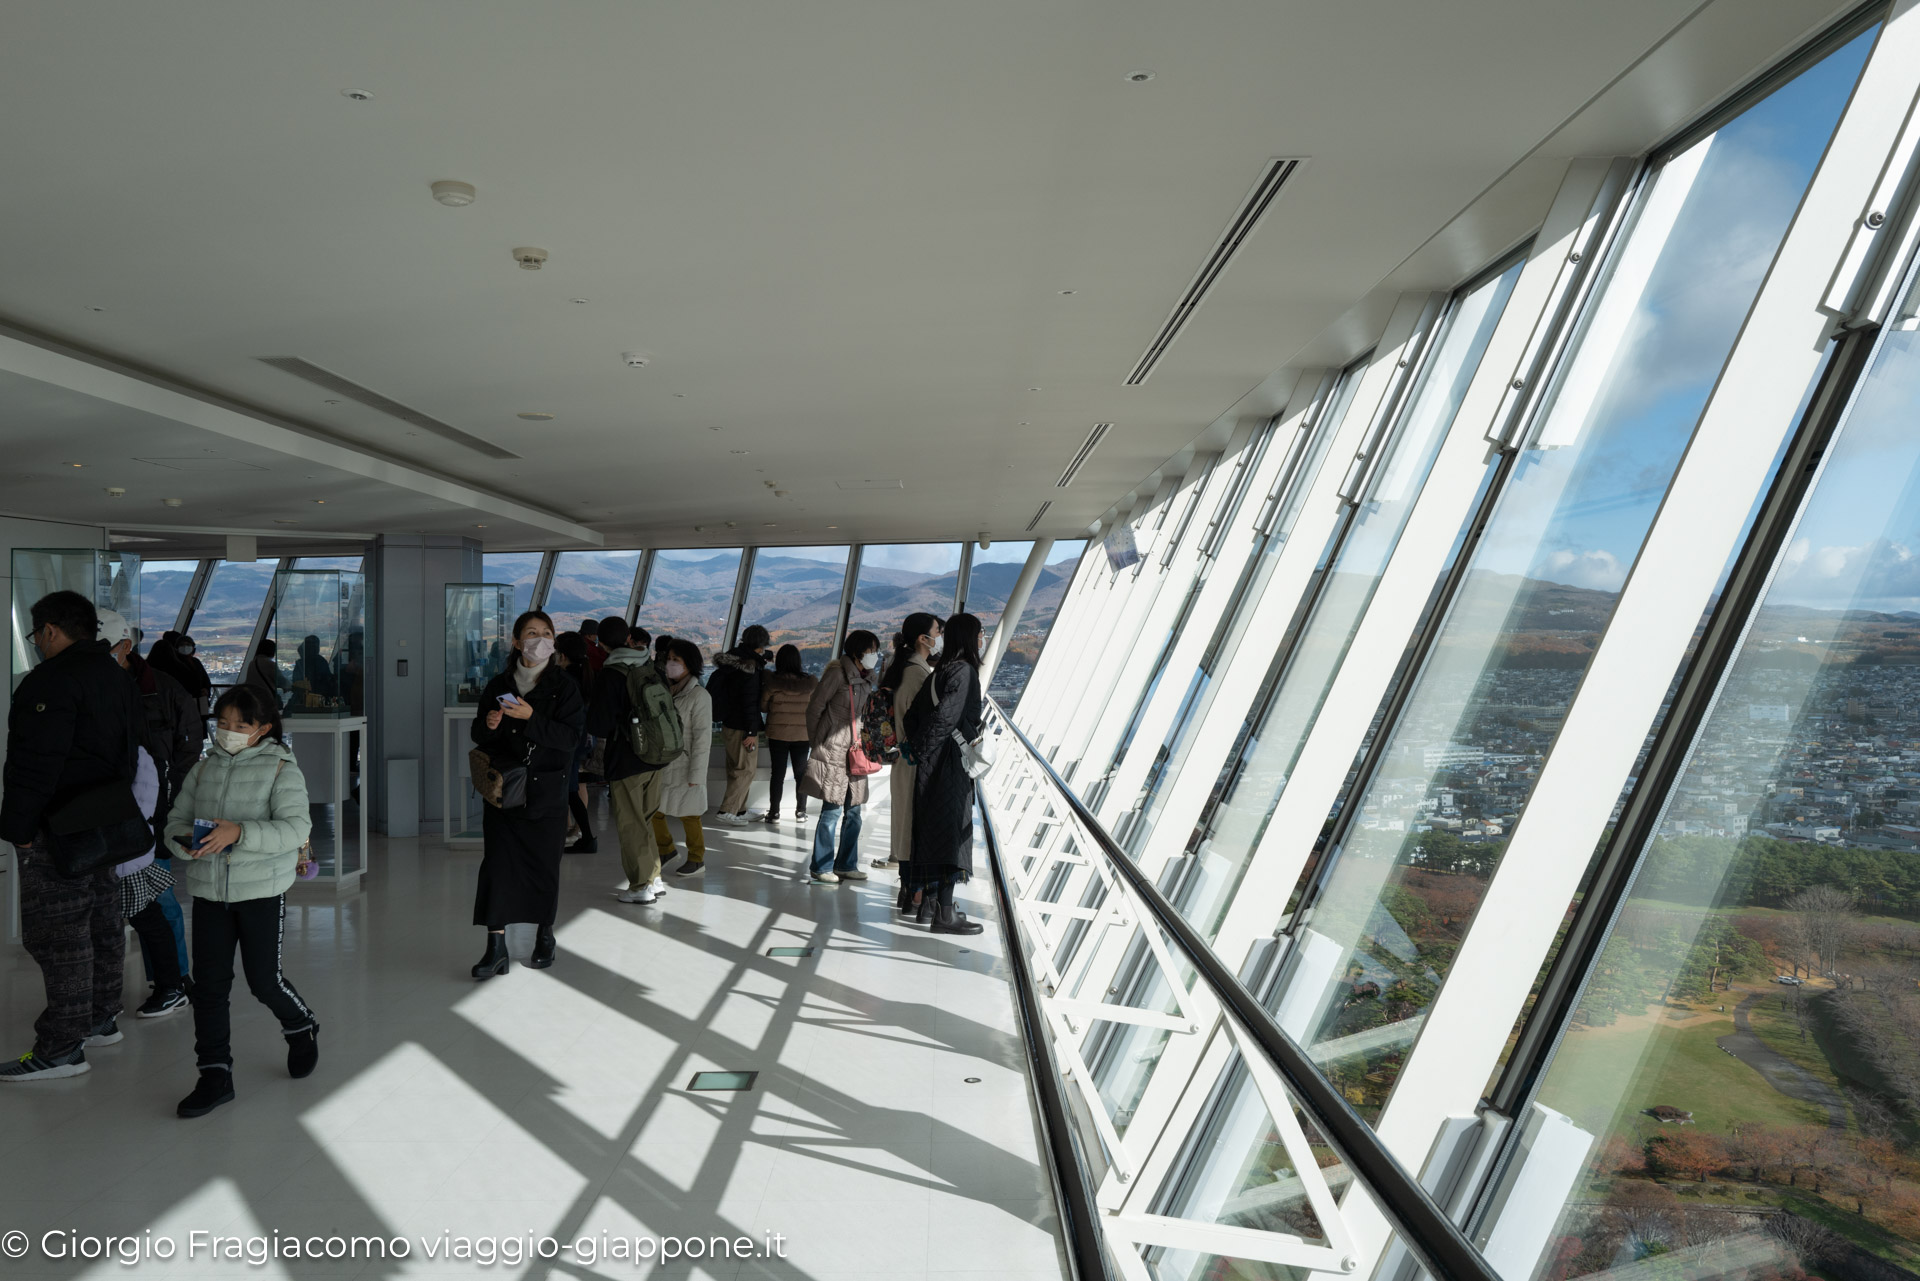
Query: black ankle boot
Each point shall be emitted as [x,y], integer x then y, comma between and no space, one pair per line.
[948,921]
[495,961]
[303,1051]
[543,945]
[903,901]
[215,1087]
[923,915]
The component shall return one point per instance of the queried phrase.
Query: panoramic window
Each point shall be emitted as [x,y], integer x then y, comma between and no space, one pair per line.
[353,563]
[795,594]
[518,568]
[592,585]
[163,589]
[688,593]
[990,583]
[222,626]
[1750,1035]
[900,579]
[1426,834]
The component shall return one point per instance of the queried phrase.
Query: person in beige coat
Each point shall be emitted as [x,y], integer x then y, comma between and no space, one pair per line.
[784,696]
[832,714]
[683,781]
[914,646]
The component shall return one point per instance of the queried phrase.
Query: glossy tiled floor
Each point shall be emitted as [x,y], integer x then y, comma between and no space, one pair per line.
[554,1103]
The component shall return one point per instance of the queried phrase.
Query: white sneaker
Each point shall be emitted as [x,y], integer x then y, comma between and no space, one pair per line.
[642,895]
[855,875]
[825,878]
[735,820]
[659,886]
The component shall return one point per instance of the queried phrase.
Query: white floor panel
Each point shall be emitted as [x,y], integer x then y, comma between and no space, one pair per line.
[556,1102]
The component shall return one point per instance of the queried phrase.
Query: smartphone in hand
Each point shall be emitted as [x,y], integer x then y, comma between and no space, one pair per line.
[202,829]
[508,700]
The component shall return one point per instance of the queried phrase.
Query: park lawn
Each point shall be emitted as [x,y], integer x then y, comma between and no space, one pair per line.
[1777,1028]
[1681,1066]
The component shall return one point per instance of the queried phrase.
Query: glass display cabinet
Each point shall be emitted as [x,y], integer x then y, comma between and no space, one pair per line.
[479,623]
[320,635]
[111,580]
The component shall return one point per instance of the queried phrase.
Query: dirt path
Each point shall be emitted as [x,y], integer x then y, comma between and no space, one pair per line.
[1782,1073]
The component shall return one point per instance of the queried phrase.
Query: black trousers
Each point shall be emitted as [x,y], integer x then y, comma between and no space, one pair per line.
[157,941]
[71,928]
[786,755]
[254,926]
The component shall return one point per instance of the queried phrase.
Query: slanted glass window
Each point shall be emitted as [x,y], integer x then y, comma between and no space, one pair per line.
[163,589]
[518,568]
[1749,1029]
[1270,746]
[229,611]
[991,581]
[795,594]
[353,564]
[1428,829]
[592,585]
[900,579]
[688,593]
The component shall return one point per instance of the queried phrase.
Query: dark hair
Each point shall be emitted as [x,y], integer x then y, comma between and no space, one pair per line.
[858,643]
[963,641]
[268,649]
[689,653]
[572,646]
[590,627]
[639,637]
[787,661]
[662,645]
[520,623]
[613,633]
[755,636]
[71,612]
[254,706]
[911,630]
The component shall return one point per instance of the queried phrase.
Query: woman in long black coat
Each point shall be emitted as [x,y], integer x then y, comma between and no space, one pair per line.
[530,714]
[948,704]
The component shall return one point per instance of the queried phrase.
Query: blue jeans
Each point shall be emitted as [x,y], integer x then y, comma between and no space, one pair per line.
[169,908]
[823,839]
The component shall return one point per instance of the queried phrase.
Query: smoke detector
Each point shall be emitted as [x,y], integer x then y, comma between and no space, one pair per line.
[529,258]
[635,359]
[114,491]
[986,541]
[172,502]
[456,194]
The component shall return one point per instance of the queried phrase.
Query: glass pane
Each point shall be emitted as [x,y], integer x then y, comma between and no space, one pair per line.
[1759,980]
[901,579]
[795,595]
[1542,584]
[592,585]
[352,564]
[989,584]
[1244,800]
[229,610]
[688,594]
[163,589]
[518,568]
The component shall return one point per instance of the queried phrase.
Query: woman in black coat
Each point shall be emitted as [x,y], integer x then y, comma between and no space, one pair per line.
[531,714]
[948,703]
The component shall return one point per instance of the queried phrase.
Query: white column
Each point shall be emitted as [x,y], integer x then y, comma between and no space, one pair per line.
[1016,606]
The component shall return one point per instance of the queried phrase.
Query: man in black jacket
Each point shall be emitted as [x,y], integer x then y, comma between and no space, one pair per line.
[735,690]
[633,787]
[74,725]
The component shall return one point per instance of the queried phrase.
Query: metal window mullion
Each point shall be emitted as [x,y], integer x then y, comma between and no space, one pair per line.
[642,575]
[963,578]
[1386,417]
[737,602]
[543,580]
[850,583]
[1108,679]
[1091,656]
[268,605]
[196,590]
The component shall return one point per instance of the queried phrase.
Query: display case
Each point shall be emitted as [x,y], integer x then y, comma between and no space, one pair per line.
[320,641]
[111,580]
[479,620]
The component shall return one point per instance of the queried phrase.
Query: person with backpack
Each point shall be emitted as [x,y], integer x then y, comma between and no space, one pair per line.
[570,651]
[633,714]
[239,829]
[837,765]
[783,704]
[736,689]
[683,782]
[914,649]
[947,712]
[529,718]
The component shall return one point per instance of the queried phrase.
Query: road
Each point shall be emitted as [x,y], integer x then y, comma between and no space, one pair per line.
[1782,1073]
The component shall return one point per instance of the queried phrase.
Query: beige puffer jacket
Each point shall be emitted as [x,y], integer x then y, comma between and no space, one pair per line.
[830,731]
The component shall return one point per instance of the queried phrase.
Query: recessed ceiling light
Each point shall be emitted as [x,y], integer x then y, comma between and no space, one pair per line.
[536,416]
[76,464]
[739,451]
[172,502]
[278,521]
[833,526]
[479,526]
[1139,77]
[1026,424]
[1066,293]
[1033,389]
[358,95]
[455,195]
[96,309]
[320,500]
[329,402]
[767,524]
[578,301]
[679,395]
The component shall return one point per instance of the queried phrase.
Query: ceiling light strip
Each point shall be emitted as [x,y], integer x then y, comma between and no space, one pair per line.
[1037,515]
[1258,201]
[1092,442]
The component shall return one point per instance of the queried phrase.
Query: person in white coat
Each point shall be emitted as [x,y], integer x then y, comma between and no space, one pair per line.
[683,782]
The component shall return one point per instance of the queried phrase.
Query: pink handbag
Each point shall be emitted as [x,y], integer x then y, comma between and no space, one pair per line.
[859,764]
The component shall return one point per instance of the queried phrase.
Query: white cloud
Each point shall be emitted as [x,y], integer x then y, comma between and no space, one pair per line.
[1600,569]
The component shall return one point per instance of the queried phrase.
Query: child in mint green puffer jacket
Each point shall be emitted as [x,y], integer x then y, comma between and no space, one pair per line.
[250,788]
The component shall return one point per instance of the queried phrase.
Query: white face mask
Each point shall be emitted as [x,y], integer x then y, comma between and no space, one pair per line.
[538,649]
[870,659]
[233,741]
[675,669]
[939,643]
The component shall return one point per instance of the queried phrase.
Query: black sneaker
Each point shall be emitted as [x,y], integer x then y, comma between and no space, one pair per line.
[214,1088]
[585,845]
[164,1001]
[689,868]
[771,816]
[46,1067]
[105,1032]
[303,1052]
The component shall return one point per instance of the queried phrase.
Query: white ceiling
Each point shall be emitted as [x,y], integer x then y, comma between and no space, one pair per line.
[841,232]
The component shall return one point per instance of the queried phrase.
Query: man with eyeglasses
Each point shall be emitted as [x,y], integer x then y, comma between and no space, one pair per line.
[74,725]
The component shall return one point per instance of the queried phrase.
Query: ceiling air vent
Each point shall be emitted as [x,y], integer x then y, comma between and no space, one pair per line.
[1037,515]
[1094,437]
[372,399]
[1272,178]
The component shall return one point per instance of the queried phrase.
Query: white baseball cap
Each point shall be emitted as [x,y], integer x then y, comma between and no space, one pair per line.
[114,628]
